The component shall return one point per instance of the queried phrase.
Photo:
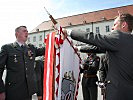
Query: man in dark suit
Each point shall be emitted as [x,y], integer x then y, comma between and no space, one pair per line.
[119,47]
[18,57]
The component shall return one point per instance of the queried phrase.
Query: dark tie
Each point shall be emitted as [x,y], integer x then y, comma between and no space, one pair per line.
[23,47]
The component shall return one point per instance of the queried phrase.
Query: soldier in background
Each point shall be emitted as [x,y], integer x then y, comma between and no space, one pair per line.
[39,69]
[89,70]
[103,64]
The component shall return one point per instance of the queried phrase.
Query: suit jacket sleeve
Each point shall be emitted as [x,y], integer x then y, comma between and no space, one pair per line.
[3,58]
[40,51]
[92,49]
[107,42]
[102,68]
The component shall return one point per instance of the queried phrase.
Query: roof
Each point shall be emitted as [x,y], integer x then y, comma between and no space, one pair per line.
[96,16]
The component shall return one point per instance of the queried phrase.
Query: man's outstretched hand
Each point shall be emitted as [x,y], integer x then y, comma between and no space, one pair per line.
[65,33]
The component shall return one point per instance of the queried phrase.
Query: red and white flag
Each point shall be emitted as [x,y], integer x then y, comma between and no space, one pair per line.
[48,67]
[62,57]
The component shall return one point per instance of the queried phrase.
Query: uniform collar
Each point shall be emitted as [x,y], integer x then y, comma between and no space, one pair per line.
[17,45]
[20,44]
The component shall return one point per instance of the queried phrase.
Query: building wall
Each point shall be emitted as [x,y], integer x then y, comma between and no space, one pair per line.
[102,29]
[36,39]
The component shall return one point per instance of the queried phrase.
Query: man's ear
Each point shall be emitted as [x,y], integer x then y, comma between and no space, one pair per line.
[16,34]
[124,24]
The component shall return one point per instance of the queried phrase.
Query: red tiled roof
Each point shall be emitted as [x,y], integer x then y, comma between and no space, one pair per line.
[89,17]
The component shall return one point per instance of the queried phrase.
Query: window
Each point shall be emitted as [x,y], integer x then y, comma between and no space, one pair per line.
[40,38]
[34,39]
[87,30]
[28,39]
[97,30]
[107,29]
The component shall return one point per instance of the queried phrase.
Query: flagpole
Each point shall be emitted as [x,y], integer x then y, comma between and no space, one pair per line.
[51,17]
[60,31]
[57,27]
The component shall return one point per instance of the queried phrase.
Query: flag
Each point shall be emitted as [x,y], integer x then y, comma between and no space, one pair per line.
[48,67]
[61,68]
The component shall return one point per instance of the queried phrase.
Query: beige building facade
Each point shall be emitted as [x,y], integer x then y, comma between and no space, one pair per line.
[98,22]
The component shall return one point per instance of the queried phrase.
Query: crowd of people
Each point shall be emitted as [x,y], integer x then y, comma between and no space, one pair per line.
[25,75]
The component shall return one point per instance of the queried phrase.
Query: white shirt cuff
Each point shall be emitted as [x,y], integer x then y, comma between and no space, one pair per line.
[69,32]
[79,47]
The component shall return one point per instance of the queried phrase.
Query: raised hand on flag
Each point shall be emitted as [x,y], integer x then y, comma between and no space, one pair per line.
[66,33]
